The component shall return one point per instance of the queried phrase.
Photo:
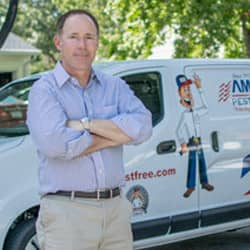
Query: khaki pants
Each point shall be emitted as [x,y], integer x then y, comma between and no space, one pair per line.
[84,224]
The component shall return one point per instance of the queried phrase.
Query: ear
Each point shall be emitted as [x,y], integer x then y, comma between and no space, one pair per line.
[179,92]
[57,42]
[97,45]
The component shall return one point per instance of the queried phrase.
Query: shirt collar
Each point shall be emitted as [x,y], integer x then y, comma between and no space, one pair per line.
[62,76]
[96,76]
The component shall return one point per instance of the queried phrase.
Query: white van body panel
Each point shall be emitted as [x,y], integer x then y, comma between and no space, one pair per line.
[156,171]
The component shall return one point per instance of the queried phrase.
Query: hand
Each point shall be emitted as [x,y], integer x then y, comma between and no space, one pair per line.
[197,81]
[184,148]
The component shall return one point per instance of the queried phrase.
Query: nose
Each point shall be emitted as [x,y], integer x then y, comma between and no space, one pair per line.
[82,43]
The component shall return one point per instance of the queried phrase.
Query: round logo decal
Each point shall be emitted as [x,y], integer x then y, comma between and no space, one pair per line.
[138,196]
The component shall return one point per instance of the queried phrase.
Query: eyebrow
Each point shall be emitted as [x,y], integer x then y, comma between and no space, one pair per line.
[88,34]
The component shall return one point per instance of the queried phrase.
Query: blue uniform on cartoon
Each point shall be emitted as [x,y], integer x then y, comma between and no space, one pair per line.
[188,132]
[246,169]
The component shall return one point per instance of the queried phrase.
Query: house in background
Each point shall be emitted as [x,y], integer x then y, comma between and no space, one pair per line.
[15,56]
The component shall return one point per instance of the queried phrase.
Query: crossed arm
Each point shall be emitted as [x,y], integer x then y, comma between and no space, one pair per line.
[55,139]
[104,133]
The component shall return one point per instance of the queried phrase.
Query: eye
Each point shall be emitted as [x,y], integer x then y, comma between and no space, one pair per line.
[73,37]
[90,37]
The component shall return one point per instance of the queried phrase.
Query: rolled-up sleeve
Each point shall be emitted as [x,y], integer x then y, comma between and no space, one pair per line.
[133,118]
[46,121]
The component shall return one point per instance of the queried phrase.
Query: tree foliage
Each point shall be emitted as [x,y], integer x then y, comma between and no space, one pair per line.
[135,27]
[202,27]
[131,28]
[36,22]
[128,28]
[3,11]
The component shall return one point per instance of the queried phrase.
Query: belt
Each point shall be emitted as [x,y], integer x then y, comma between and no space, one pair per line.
[99,194]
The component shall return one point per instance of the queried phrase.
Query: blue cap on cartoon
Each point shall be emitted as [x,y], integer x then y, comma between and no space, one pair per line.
[182,80]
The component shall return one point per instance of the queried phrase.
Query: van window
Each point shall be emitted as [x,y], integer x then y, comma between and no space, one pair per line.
[147,87]
[13,108]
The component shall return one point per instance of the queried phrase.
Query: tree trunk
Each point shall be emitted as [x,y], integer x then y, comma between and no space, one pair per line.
[248,42]
[9,21]
[246,31]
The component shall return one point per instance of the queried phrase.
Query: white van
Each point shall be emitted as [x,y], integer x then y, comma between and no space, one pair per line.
[176,194]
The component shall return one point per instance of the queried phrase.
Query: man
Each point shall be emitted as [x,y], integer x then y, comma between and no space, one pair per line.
[79,118]
[188,132]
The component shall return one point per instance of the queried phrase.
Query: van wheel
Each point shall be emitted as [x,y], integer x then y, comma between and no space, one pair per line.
[23,237]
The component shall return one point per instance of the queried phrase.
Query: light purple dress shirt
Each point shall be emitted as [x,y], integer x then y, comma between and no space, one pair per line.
[57,97]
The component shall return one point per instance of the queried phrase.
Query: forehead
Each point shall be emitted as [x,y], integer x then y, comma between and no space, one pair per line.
[79,23]
[185,87]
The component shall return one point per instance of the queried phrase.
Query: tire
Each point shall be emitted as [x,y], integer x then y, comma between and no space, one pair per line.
[22,237]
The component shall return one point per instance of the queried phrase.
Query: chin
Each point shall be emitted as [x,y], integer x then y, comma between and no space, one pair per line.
[82,68]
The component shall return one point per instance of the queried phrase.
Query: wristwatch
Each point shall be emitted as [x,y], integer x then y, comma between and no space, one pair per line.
[85,123]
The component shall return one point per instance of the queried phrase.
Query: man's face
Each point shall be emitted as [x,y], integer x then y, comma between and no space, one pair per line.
[186,96]
[136,194]
[78,43]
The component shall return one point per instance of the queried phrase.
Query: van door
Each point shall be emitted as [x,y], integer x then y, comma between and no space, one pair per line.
[226,141]
[155,171]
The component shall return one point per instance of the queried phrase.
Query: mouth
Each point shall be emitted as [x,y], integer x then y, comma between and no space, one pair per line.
[81,55]
[187,101]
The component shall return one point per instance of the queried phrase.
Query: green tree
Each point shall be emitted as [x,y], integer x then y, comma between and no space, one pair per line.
[131,28]
[3,10]
[128,28]
[202,27]
[7,18]
[135,27]
[36,23]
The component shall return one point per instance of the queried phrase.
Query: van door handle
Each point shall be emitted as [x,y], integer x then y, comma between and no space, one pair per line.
[215,141]
[166,147]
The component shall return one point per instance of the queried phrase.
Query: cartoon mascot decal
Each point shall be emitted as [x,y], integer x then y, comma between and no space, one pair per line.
[188,132]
